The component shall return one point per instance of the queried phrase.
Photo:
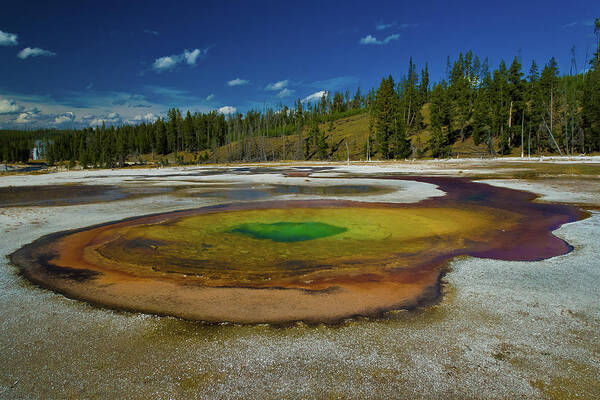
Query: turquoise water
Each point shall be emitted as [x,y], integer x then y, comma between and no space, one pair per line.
[288,231]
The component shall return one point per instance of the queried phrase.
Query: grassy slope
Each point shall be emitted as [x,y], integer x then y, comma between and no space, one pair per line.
[354,130]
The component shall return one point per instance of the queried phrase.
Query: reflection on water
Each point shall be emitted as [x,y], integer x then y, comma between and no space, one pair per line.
[27,168]
[329,190]
[235,194]
[52,195]
[265,191]
[64,195]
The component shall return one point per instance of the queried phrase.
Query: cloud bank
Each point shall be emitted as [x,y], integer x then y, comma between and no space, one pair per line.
[64,117]
[9,106]
[106,119]
[139,118]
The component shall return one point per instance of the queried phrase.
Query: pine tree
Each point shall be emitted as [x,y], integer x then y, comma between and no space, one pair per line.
[516,90]
[338,102]
[500,105]
[424,86]
[83,153]
[597,32]
[171,131]
[178,130]
[590,112]
[482,121]
[161,137]
[548,90]
[533,72]
[460,93]
[357,100]
[439,143]
[385,116]
[412,100]
[322,146]
[188,132]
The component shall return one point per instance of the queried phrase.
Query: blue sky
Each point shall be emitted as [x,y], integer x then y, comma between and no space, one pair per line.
[72,64]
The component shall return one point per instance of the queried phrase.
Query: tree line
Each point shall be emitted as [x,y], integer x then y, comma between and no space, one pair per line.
[17,145]
[503,109]
[200,133]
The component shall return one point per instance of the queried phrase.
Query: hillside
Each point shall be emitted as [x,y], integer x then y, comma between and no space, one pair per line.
[354,130]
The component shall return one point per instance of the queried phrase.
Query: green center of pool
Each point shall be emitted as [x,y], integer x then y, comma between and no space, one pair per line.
[288,231]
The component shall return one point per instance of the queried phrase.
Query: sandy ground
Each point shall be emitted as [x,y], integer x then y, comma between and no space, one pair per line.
[502,329]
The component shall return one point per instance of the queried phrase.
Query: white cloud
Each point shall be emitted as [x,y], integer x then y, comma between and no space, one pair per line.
[9,106]
[8,39]
[314,97]
[227,110]
[165,63]
[106,119]
[210,97]
[146,117]
[370,39]
[34,118]
[139,118]
[189,57]
[285,93]
[34,52]
[382,27]
[238,82]
[27,117]
[388,39]
[64,117]
[151,32]
[277,85]
[88,108]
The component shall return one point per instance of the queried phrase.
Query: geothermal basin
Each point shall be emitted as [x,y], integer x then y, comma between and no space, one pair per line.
[281,261]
